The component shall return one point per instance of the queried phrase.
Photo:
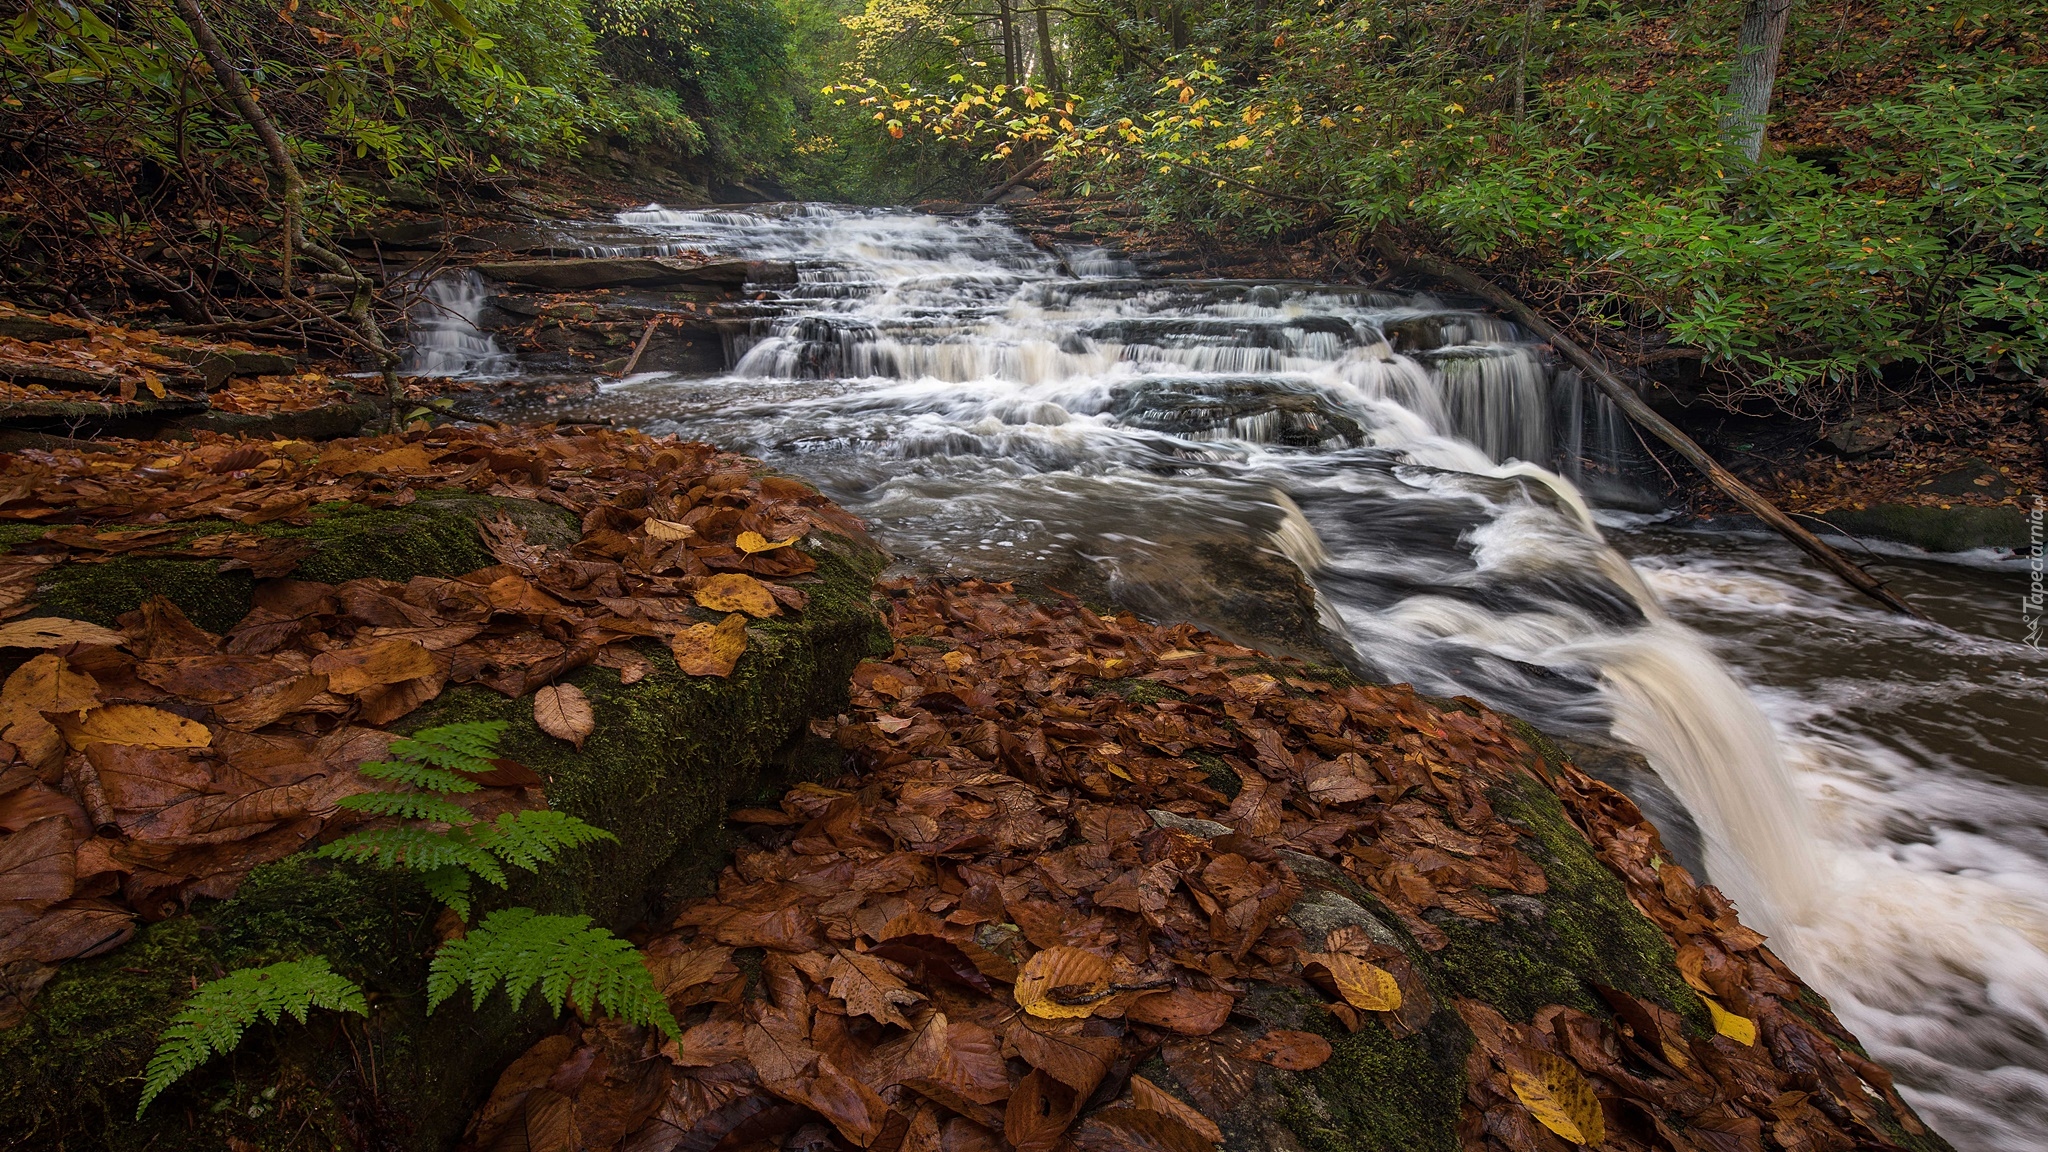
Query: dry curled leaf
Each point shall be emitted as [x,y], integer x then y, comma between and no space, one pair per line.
[1183,1010]
[1150,1097]
[564,712]
[352,671]
[46,684]
[710,649]
[1079,1061]
[1062,982]
[54,632]
[869,988]
[737,592]
[751,542]
[668,530]
[1363,985]
[1558,1095]
[1288,1050]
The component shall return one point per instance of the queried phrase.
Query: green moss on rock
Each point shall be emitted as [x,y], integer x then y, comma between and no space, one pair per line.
[435,535]
[670,753]
[1552,949]
[72,1068]
[103,593]
[1379,1092]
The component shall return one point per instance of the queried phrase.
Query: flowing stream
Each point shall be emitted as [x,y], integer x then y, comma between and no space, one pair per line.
[1872,792]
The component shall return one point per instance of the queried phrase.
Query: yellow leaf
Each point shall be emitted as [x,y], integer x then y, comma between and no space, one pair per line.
[46,684]
[136,725]
[736,592]
[1740,1029]
[1557,1094]
[710,649]
[1368,987]
[54,632]
[751,542]
[668,529]
[1062,983]
[154,383]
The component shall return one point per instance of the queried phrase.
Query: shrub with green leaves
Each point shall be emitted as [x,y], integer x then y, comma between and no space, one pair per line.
[571,961]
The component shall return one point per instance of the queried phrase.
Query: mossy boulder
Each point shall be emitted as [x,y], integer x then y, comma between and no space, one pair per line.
[1385,1093]
[669,755]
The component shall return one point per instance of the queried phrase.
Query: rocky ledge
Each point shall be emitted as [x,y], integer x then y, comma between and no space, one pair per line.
[281,611]
[947,868]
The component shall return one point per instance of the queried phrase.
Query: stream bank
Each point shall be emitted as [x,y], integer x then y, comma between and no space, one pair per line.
[1224,455]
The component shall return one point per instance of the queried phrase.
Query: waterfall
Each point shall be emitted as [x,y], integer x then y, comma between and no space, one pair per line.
[445,339]
[993,409]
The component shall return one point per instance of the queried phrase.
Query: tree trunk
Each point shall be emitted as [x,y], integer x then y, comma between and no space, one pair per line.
[1756,70]
[1046,62]
[291,190]
[1522,58]
[1008,23]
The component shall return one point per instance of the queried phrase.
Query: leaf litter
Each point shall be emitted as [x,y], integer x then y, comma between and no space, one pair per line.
[1067,843]
[146,766]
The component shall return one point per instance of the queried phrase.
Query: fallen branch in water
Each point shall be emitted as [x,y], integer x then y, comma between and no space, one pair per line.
[1645,416]
[633,361]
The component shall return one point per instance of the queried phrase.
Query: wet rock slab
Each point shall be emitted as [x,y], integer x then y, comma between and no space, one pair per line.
[635,272]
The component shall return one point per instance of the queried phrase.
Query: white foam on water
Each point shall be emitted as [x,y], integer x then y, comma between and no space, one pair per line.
[981,405]
[445,339]
[1930,931]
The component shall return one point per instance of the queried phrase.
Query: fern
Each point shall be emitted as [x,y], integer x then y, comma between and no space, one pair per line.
[450,885]
[457,747]
[417,849]
[568,959]
[408,806]
[420,776]
[215,1017]
[530,839]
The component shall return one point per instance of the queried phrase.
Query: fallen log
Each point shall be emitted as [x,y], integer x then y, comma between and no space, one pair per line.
[1629,402]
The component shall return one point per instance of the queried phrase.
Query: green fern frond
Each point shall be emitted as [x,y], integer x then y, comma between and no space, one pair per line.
[420,776]
[457,747]
[530,839]
[417,849]
[408,806]
[450,885]
[215,1017]
[568,959]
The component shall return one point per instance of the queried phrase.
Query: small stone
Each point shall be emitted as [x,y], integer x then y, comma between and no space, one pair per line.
[1861,436]
[1974,478]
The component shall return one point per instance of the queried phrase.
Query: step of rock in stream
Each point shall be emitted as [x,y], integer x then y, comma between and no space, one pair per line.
[1352,476]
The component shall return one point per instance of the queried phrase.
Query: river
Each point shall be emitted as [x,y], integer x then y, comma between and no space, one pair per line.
[1873,792]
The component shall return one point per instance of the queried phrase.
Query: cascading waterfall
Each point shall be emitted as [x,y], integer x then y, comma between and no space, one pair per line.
[445,338]
[989,411]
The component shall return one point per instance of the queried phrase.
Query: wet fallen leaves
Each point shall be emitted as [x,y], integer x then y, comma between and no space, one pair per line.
[89,361]
[1069,844]
[147,765]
